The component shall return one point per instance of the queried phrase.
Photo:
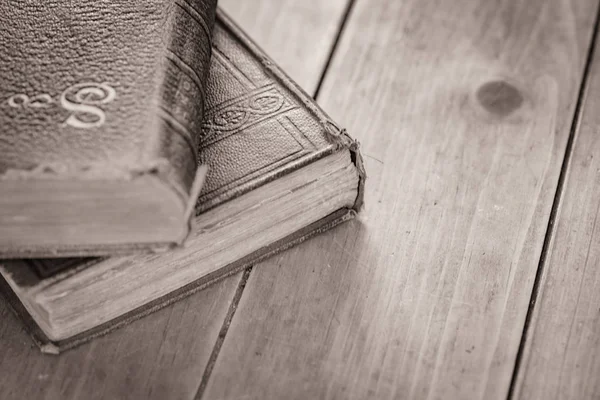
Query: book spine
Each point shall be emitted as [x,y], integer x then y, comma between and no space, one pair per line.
[181,107]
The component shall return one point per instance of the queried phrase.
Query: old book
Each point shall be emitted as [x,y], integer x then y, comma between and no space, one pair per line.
[280,171]
[100,105]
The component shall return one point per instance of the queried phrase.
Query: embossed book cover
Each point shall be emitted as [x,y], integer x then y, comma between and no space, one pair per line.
[100,105]
[279,171]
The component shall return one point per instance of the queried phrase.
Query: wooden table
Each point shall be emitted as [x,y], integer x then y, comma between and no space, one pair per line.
[474,270]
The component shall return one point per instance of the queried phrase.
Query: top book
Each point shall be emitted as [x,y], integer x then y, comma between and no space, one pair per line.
[100,106]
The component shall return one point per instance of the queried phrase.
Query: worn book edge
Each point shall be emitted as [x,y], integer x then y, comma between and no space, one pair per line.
[121,248]
[49,347]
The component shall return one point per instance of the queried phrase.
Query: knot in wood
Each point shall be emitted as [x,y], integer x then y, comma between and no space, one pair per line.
[499,98]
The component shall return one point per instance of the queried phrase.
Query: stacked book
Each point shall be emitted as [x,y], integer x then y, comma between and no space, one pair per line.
[147,149]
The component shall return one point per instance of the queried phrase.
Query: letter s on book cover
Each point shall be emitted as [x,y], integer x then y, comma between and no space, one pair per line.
[85,98]
[82,98]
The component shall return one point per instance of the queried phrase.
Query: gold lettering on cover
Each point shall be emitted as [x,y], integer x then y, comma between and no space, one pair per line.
[85,99]
[41,101]
[18,101]
[23,101]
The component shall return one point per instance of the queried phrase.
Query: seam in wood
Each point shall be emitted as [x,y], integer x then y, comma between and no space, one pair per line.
[560,188]
[222,333]
[334,46]
[240,290]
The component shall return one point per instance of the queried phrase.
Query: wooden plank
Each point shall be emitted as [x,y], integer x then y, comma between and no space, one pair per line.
[463,109]
[561,358]
[161,356]
[164,355]
[298,35]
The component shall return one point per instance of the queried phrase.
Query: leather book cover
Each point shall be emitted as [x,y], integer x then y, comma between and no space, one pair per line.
[108,90]
[258,127]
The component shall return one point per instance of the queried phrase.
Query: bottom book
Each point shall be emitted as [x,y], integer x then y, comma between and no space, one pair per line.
[280,171]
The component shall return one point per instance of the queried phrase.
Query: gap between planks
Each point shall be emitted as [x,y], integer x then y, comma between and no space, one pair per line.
[334,46]
[223,332]
[246,274]
[555,205]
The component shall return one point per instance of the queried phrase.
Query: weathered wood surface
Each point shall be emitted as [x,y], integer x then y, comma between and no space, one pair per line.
[463,109]
[297,35]
[164,355]
[562,349]
[160,356]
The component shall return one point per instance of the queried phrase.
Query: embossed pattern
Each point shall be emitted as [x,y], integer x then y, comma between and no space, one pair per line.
[254,130]
[260,105]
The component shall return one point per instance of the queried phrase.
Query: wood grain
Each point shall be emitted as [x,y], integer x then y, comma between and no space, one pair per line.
[562,348]
[160,356]
[463,109]
[297,35]
[164,355]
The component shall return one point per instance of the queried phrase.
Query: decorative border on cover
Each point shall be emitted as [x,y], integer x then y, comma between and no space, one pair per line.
[230,117]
